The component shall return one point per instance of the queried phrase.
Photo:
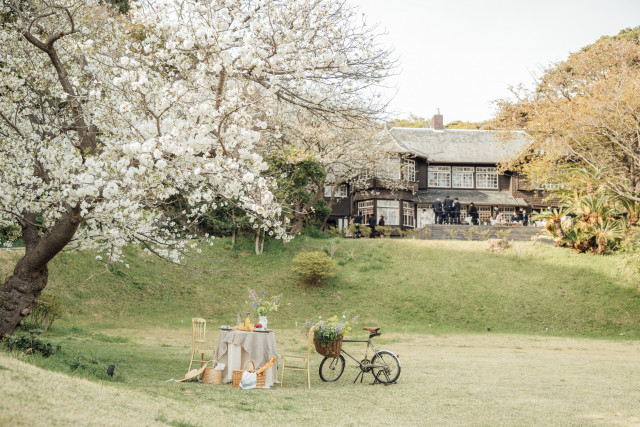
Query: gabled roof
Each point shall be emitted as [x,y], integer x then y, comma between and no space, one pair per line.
[458,145]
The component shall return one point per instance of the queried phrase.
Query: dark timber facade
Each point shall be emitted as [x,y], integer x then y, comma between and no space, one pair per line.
[438,162]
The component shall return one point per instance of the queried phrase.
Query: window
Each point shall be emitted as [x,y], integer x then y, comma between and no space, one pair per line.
[462,177]
[389,169]
[390,209]
[508,212]
[439,176]
[408,217]
[546,186]
[339,191]
[409,170]
[366,209]
[463,213]
[487,177]
[484,212]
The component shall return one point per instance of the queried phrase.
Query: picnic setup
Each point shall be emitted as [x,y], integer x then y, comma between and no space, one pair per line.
[246,354]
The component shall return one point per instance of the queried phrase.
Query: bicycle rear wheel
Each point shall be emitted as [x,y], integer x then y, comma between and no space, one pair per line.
[385,367]
[331,368]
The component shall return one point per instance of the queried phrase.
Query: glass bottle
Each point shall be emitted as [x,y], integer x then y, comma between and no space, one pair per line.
[247,321]
[238,321]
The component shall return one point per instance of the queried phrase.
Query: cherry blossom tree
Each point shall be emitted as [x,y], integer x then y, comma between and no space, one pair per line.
[105,117]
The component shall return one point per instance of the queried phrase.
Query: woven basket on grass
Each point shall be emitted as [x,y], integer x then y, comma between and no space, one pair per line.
[329,348]
[211,375]
[260,373]
[237,375]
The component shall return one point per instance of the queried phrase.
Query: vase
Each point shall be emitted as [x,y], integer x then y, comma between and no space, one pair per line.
[263,321]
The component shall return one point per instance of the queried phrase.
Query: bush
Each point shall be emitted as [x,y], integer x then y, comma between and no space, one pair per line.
[631,241]
[337,232]
[384,230]
[28,343]
[315,233]
[313,268]
[45,311]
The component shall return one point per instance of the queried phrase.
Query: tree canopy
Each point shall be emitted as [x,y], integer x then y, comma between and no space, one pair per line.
[105,118]
[583,115]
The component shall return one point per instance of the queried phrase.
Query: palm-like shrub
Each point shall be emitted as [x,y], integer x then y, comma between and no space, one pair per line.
[554,224]
[588,223]
[607,233]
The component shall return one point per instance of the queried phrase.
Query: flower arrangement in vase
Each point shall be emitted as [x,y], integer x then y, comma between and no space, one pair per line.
[264,306]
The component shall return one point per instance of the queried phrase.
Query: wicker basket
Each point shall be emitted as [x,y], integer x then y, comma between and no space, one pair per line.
[237,375]
[329,348]
[211,375]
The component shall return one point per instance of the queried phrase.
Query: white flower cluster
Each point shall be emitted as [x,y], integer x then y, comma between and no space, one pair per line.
[178,92]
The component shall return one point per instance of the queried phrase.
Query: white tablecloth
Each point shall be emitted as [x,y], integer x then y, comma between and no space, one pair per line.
[235,348]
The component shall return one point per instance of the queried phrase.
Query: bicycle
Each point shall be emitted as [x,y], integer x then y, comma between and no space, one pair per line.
[384,365]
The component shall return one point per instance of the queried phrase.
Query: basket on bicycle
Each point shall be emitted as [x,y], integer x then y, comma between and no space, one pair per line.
[329,348]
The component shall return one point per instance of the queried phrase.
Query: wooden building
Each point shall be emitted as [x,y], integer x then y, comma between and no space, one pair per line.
[437,162]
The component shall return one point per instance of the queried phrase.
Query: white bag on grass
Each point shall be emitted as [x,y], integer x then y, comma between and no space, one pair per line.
[249,380]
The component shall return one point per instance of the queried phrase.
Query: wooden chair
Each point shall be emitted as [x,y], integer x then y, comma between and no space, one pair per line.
[300,361]
[198,330]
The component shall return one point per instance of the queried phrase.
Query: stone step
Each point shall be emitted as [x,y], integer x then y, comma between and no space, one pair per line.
[477,232]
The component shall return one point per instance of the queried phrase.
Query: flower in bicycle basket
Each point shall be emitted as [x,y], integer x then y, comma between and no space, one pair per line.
[330,329]
[262,305]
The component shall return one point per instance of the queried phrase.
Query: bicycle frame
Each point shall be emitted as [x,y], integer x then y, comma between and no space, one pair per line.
[384,364]
[369,366]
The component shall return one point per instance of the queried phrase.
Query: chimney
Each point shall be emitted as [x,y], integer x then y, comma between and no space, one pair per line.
[437,122]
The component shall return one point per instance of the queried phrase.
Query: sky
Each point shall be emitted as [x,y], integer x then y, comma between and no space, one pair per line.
[460,55]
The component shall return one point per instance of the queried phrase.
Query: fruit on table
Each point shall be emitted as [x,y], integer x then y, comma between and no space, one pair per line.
[258,325]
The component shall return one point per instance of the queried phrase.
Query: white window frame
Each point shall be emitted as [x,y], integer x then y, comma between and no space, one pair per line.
[409,170]
[390,209]
[463,212]
[462,176]
[339,191]
[508,211]
[439,177]
[408,215]
[484,212]
[366,208]
[487,177]
[546,186]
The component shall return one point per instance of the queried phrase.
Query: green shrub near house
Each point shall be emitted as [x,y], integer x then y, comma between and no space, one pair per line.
[313,268]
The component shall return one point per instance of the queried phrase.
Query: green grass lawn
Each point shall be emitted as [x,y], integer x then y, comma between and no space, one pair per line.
[401,285]
[488,379]
[561,324]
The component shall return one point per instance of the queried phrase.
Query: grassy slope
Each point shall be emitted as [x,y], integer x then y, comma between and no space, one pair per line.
[489,379]
[131,317]
[399,284]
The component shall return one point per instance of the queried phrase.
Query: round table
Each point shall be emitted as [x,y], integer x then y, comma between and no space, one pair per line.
[235,348]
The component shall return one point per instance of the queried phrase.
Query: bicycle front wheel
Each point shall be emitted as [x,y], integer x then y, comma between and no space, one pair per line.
[331,368]
[385,367]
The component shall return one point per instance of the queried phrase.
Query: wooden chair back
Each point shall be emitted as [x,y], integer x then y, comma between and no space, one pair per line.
[198,331]
[310,345]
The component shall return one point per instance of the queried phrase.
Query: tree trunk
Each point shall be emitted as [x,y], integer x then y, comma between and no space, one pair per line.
[557,223]
[326,218]
[30,276]
[17,295]
[235,230]
[296,225]
[257,248]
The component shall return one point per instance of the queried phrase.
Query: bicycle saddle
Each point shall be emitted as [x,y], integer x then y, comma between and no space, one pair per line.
[371,329]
